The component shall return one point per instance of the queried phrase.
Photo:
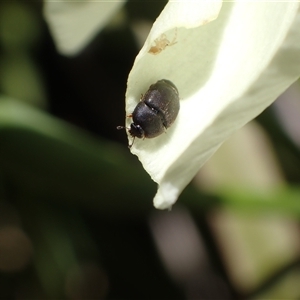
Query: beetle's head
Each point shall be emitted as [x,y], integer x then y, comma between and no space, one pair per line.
[136,131]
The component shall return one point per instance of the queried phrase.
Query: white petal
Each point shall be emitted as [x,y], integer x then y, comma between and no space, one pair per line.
[74,24]
[227,72]
[250,157]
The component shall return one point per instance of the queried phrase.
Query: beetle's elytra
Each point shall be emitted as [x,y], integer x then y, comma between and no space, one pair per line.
[156,111]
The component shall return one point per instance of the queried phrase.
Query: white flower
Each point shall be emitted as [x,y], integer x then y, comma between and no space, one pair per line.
[227,72]
[73,24]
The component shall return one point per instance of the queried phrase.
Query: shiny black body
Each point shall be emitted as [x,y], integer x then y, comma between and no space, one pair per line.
[156,111]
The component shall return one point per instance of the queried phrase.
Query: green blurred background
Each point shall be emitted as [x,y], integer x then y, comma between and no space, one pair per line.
[76,214]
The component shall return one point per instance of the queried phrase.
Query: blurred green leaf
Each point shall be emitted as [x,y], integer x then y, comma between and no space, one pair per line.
[21,79]
[284,200]
[48,159]
[19,25]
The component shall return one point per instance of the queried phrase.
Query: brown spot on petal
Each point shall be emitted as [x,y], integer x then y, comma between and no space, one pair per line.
[161,43]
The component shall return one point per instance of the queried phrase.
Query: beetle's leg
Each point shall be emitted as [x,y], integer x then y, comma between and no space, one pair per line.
[129,146]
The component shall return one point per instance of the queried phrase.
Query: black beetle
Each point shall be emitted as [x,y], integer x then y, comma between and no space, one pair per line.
[156,111]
